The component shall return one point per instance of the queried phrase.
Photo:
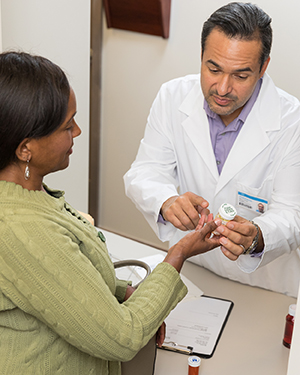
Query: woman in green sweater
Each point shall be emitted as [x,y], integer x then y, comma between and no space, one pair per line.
[62,310]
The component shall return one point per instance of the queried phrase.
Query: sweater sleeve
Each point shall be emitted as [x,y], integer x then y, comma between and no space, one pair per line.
[46,275]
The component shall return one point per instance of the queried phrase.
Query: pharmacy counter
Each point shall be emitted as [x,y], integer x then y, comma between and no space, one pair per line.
[251,342]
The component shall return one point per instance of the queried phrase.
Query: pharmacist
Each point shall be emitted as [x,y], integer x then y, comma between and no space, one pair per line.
[227,135]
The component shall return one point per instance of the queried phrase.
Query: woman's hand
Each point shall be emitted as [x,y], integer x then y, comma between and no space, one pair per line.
[160,335]
[130,289]
[194,243]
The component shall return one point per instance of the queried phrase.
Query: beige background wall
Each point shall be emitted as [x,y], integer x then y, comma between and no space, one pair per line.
[134,67]
[60,31]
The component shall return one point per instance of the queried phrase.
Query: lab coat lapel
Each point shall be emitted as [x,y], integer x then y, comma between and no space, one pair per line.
[253,137]
[197,128]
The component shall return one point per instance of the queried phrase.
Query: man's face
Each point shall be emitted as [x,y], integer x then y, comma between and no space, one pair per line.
[230,69]
[261,207]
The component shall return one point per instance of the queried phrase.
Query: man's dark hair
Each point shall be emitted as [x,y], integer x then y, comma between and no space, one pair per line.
[34,96]
[244,21]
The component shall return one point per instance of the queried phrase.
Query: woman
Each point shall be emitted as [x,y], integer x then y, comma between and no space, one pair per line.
[62,310]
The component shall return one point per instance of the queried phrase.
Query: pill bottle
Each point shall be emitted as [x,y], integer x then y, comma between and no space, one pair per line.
[289,325]
[226,213]
[194,363]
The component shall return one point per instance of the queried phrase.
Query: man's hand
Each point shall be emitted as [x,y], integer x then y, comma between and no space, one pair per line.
[183,211]
[237,236]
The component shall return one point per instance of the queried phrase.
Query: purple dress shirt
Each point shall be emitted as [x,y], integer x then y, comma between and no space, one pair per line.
[223,137]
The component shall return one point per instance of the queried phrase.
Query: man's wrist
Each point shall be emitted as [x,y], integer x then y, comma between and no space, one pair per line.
[161,219]
[256,249]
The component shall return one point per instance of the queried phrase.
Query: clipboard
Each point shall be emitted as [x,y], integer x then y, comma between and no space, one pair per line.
[196,325]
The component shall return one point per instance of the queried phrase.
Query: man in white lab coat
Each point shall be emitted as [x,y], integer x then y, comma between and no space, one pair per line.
[228,135]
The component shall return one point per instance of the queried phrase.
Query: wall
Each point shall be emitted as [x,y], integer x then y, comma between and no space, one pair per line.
[60,31]
[134,67]
[0,30]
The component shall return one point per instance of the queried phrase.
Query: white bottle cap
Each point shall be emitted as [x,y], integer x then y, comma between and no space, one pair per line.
[194,361]
[292,310]
[227,211]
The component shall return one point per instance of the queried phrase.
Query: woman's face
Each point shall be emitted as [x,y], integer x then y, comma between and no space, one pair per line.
[51,153]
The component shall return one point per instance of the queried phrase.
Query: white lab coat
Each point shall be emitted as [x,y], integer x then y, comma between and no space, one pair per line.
[176,156]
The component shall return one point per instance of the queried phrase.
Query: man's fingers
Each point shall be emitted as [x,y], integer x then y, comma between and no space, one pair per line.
[196,200]
[183,210]
[183,215]
[228,254]
[237,235]
[179,224]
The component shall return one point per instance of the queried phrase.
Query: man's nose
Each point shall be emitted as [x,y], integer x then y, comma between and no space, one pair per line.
[224,85]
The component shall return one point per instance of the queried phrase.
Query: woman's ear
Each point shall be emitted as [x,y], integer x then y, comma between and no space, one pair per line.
[23,152]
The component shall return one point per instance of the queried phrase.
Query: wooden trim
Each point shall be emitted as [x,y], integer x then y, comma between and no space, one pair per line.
[144,16]
[165,17]
[107,13]
[95,110]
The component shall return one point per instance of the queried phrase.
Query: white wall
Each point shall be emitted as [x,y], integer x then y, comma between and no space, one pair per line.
[134,67]
[60,31]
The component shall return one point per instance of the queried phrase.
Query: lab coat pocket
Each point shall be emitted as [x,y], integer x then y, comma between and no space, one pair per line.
[252,201]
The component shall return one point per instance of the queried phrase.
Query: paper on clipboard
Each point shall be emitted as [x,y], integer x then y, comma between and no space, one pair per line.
[196,324]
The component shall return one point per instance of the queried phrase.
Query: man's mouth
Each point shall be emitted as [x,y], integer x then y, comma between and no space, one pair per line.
[221,101]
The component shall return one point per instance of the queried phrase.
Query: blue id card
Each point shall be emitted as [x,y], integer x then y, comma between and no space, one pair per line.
[252,203]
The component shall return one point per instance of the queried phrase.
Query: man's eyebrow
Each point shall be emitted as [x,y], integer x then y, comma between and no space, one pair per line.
[213,63]
[247,69]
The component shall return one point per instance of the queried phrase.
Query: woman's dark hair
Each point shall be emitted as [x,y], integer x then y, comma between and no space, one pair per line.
[241,20]
[34,96]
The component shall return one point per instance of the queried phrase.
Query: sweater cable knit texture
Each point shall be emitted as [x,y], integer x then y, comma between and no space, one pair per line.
[61,309]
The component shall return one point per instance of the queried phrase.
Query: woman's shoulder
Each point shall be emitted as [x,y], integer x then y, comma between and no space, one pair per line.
[14,196]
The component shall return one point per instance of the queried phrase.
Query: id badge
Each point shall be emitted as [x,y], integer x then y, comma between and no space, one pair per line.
[252,203]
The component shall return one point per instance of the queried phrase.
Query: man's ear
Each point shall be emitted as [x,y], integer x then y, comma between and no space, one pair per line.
[23,152]
[201,55]
[264,67]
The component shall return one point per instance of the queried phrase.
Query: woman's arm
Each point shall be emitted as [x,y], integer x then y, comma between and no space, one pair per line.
[47,275]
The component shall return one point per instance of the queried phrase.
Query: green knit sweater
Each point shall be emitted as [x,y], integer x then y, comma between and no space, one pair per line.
[60,302]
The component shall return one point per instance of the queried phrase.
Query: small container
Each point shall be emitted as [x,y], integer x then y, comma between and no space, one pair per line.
[194,363]
[226,213]
[289,325]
